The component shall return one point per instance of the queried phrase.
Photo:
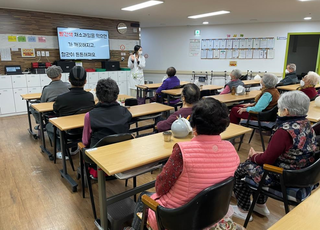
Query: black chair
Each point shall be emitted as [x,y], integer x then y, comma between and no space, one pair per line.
[265,121]
[204,210]
[72,138]
[86,162]
[168,99]
[302,178]
[153,117]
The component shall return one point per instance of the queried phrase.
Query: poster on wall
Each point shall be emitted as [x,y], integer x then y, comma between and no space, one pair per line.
[27,52]
[194,48]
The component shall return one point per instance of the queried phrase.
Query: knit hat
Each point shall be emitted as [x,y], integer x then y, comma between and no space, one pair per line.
[78,73]
[54,71]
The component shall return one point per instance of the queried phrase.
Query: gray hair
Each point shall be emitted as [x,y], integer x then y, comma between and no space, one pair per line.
[54,71]
[236,73]
[269,80]
[312,77]
[296,102]
[292,67]
[107,90]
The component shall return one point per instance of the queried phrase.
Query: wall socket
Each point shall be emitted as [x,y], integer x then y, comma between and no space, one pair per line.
[38,54]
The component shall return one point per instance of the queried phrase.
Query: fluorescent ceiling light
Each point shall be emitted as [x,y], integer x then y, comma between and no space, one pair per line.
[307,18]
[209,14]
[205,23]
[142,5]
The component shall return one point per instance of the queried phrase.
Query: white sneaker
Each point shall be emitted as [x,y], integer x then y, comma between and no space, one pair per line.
[241,215]
[72,153]
[262,210]
[59,156]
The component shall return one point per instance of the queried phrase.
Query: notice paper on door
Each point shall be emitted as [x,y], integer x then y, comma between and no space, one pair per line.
[5,54]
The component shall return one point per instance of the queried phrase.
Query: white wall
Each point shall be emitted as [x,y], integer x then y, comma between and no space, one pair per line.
[169,46]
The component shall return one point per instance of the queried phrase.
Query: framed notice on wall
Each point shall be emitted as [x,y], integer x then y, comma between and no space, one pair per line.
[27,52]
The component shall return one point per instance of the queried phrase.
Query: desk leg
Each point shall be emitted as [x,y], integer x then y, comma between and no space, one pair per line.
[43,141]
[35,136]
[63,171]
[102,199]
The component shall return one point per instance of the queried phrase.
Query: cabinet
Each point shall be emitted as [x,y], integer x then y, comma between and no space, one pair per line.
[44,80]
[7,101]
[19,81]
[5,82]
[35,89]
[20,105]
[122,82]
[33,80]
[114,75]
[92,77]
[103,75]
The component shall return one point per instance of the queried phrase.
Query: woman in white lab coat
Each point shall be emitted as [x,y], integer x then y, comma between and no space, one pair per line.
[136,63]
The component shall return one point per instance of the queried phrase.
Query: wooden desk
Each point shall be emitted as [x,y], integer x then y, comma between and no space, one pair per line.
[293,87]
[143,89]
[227,98]
[29,97]
[177,92]
[313,114]
[251,82]
[304,216]
[113,158]
[77,121]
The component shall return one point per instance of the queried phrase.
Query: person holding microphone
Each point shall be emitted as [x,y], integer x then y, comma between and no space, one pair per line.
[136,63]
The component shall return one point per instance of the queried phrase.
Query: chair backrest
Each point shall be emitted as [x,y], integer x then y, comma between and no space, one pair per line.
[84,110]
[131,102]
[269,115]
[111,139]
[204,210]
[301,178]
[314,98]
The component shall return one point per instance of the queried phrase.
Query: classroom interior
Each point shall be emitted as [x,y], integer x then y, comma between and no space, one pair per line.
[32,194]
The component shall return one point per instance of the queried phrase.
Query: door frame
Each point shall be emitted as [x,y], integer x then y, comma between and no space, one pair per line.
[287,47]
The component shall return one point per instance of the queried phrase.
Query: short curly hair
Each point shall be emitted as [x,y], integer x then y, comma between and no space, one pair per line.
[107,90]
[210,117]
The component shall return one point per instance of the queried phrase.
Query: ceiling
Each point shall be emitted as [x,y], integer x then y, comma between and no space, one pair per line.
[175,12]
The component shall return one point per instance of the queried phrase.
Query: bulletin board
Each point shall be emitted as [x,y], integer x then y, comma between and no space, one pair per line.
[238,48]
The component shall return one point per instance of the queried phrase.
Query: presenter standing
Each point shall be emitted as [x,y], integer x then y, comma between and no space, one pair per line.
[136,63]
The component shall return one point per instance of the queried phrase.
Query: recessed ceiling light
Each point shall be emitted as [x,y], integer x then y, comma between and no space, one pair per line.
[307,18]
[205,23]
[142,5]
[209,14]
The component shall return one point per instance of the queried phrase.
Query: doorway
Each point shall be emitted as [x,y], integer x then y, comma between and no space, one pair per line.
[303,49]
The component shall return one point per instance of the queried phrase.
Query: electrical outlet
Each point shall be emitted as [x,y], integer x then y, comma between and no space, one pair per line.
[43,53]
[38,54]
[47,53]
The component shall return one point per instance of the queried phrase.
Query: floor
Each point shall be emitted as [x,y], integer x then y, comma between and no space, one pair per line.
[34,196]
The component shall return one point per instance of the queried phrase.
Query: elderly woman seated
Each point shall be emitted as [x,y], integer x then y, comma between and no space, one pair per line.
[266,100]
[196,164]
[308,84]
[291,147]
[235,81]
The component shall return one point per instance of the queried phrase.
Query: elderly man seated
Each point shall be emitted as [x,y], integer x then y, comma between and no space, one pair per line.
[291,76]
[308,83]
[266,100]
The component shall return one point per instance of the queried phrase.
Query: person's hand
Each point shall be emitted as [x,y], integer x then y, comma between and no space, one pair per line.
[132,57]
[251,152]
[247,105]
[241,110]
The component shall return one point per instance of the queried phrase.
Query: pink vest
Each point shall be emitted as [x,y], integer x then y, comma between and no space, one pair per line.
[207,160]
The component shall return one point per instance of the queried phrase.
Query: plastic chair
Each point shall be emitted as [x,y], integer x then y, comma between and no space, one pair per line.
[204,210]
[265,121]
[302,178]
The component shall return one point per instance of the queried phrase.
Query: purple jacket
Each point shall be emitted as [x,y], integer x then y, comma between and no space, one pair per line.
[169,83]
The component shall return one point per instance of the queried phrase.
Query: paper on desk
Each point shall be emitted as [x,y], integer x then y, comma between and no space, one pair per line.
[5,54]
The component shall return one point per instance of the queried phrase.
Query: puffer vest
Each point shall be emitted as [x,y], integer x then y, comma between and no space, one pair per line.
[275,97]
[207,160]
[234,83]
